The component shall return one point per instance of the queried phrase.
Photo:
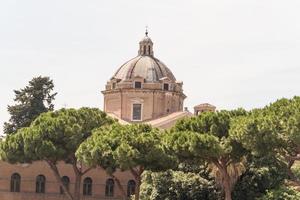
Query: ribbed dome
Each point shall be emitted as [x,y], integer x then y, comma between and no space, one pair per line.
[144,65]
[147,67]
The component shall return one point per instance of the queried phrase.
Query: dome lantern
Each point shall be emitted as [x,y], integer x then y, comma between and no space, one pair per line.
[146,46]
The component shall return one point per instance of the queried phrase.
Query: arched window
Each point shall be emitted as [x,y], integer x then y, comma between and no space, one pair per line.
[40,184]
[136,112]
[87,186]
[66,182]
[15,182]
[130,188]
[109,188]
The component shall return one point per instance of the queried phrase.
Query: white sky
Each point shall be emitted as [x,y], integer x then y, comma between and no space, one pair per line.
[231,53]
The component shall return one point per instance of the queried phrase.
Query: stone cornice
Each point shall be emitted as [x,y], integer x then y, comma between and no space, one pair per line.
[130,90]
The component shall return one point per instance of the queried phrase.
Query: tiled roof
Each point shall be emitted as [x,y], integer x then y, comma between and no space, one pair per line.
[169,120]
[163,122]
[204,105]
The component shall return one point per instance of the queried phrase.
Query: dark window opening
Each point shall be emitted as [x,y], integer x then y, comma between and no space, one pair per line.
[137,112]
[109,188]
[137,84]
[166,86]
[114,86]
[40,184]
[149,49]
[144,50]
[66,182]
[15,182]
[130,188]
[87,186]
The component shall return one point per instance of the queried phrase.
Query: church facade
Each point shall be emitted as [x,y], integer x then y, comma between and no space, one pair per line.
[143,90]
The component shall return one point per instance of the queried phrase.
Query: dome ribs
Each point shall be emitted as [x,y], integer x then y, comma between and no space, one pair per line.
[115,75]
[144,65]
[130,71]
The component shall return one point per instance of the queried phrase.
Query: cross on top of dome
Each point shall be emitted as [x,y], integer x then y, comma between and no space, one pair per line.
[146,33]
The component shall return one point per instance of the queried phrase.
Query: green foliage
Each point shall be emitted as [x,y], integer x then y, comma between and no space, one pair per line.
[215,125]
[177,185]
[261,175]
[296,169]
[98,149]
[140,146]
[53,136]
[191,145]
[12,147]
[125,147]
[273,130]
[282,193]
[135,147]
[206,139]
[31,101]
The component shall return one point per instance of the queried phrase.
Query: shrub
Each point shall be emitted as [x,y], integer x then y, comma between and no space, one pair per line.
[177,185]
[282,193]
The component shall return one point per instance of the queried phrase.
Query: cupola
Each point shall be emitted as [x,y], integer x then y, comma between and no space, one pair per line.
[146,46]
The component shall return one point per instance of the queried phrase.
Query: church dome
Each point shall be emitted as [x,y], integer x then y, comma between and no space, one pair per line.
[143,89]
[145,65]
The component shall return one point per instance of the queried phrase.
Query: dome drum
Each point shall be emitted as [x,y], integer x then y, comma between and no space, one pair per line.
[163,84]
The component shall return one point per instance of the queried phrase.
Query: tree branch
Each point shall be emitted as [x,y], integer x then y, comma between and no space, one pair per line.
[297,157]
[141,170]
[134,173]
[86,170]
[117,181]
[119,184]
[291,173]
[75,168]
[57,176]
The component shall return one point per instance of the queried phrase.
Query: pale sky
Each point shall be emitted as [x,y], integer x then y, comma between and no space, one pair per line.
[230,53]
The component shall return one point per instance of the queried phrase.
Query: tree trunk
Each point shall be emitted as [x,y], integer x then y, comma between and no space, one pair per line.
[120,186]
[227,191]
[226,182]
[57,176]
[137,189]
[77,186]
[138,177]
